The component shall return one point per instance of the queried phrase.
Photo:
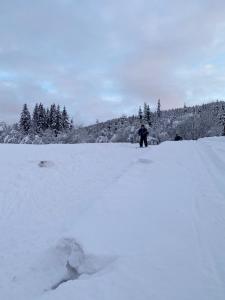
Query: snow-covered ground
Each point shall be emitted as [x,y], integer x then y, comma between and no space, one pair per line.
[125,223]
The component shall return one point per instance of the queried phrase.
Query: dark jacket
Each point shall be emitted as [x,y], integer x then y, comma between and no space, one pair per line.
[178,138]
[143,132]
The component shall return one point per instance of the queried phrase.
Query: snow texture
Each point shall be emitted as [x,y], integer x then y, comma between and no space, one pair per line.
[110,221]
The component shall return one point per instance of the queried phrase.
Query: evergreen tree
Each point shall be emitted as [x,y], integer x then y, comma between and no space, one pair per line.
[47,117]
[35,119]
[145,111]
[140,114]
[65,119]
[159,109]
[148,115]
[222,119]
[25,120]
[59,125]
[71,126]
[53,117]
[216,109]
[42,124]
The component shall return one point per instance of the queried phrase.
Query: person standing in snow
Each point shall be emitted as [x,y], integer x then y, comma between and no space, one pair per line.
[143,133]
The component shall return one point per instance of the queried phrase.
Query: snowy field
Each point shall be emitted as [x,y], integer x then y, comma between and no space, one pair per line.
[124,223]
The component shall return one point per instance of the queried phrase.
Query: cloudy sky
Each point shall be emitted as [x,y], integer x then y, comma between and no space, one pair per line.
[104,58]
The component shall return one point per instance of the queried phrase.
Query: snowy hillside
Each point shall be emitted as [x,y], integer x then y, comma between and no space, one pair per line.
[53,127]
[125,223]
[191,123]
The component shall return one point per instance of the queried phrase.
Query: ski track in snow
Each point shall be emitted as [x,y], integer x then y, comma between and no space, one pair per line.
[215,167]
[150,222]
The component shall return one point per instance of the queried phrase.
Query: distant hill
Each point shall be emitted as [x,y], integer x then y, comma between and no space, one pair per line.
[189,122]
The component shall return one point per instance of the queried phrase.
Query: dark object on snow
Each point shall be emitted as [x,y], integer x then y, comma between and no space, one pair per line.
[143,133]
[178,138]
[45,164]
[72,274]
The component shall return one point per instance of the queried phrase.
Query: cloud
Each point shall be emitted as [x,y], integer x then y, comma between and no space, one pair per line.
[103,58]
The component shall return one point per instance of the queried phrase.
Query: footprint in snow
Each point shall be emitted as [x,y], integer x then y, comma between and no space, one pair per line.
[145,161]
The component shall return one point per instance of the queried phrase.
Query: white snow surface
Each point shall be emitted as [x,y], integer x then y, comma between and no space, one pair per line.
[125,223]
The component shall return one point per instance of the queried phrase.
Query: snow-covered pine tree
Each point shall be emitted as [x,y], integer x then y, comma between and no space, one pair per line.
[222,119]
[59,125]
[65,119]
[25,120]
[145,111]
[71,125]
[148,115]
[42,118]
[53,117]
[140,114]
[159,109]
[47,114]
[35,119]
[216,109]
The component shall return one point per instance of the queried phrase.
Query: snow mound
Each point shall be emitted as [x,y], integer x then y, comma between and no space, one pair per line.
[72,251]
[76,262]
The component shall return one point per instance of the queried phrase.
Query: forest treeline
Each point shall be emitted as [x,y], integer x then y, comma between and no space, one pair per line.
[52,125]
